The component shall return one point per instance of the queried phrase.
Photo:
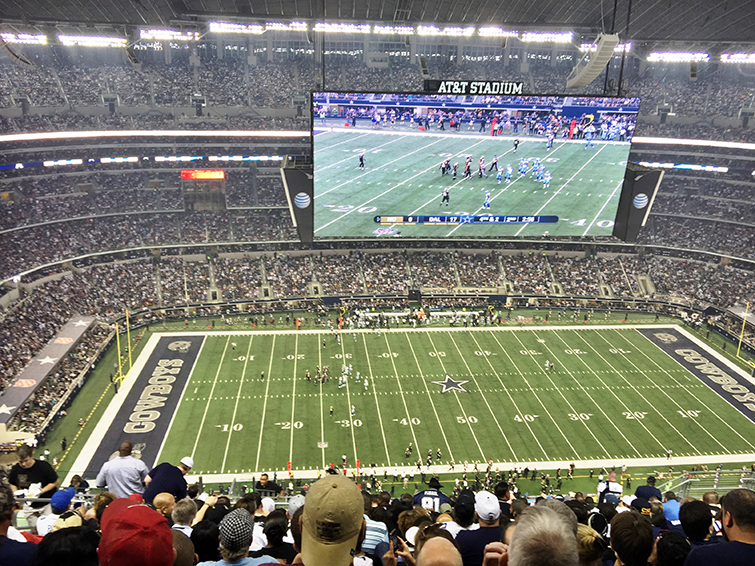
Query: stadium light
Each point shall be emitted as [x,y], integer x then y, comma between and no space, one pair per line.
[342,28]
[626,47]
[546,37]
[92,41]
[737,57]
[393,30]
[168,35]
[685,166]
[119,160]
[489,31]
[677,57]
[448,31]
[56,162]
[26,38]
[283,26]
[231,27]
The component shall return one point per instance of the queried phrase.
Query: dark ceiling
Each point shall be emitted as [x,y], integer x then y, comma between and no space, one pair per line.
[657,20]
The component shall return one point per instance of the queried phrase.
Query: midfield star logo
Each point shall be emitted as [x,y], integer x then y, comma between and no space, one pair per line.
[450,384]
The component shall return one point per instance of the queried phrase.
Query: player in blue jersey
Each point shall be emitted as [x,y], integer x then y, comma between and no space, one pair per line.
[509,171]
[547,180]
[486,204]
[589,134]
[540,172]
[432,498]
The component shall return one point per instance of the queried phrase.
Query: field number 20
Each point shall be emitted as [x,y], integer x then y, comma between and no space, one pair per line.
[286,425]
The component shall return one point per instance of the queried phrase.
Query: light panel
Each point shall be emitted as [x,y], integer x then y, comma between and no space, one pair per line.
[448,31]
[25,38]
[677,57]
[546,37]
[491,31]
[168,35]
[231,27]
[393,30]
[327,27]
[737,57]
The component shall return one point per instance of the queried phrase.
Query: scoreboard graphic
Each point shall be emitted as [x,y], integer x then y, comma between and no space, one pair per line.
[446,219]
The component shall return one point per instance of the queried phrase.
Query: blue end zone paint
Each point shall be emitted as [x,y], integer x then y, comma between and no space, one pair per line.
[147,411]
[735,389]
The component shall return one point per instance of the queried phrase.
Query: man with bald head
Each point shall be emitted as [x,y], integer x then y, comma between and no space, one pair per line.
[439,551]
[124,474]
[164,503]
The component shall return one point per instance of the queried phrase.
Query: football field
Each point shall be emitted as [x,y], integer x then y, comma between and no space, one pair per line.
[402,177]
[613,396]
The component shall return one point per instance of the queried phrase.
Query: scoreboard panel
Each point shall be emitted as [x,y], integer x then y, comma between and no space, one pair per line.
[450,219]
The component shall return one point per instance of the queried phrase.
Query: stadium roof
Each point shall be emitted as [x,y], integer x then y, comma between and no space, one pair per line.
[655,20]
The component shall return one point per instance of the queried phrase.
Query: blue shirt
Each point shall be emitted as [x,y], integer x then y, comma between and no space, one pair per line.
[165,478]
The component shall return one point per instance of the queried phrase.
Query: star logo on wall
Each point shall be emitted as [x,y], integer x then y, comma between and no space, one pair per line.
[47,360]
[450,384]
[5,409]
[81,323]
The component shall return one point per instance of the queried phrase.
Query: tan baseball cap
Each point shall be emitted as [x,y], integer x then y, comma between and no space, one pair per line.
[332,520]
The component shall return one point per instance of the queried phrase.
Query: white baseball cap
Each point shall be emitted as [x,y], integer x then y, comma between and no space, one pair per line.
[187,461]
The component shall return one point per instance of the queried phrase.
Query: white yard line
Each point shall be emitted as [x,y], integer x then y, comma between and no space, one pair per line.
[602,208]
[458,400]
[484,398]
[264,406]
[589,429]
[293,402]
[348,400]
[377,403]
[620,375]
[401,391]
[322,416]
[562,186]
[236,405]
[349,141]
[432,403]
[691,393]
[209,398]
[539,400]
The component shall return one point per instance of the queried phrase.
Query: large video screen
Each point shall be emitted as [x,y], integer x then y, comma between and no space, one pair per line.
[456,166]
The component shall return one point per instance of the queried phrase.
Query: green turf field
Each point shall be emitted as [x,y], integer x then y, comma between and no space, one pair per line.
[402,177]
[613,396]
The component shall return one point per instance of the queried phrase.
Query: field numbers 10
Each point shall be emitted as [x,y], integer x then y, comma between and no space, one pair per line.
[237,427]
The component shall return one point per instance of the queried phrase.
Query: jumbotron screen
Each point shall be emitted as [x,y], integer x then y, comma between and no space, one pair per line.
[460,166]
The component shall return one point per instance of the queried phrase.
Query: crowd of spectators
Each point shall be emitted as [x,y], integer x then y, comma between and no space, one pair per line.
[432,269]
[490,521]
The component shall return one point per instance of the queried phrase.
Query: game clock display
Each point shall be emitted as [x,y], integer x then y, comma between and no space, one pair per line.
[444,166]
